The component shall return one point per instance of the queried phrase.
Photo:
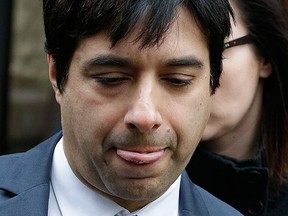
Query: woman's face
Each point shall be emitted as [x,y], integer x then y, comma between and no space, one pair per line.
[237,102]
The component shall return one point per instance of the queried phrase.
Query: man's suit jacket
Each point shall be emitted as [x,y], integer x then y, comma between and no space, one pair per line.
[24,186]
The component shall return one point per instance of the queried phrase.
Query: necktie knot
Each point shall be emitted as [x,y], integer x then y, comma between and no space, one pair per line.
[124,212]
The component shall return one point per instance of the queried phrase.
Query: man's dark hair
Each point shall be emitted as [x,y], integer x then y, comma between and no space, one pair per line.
[69,21]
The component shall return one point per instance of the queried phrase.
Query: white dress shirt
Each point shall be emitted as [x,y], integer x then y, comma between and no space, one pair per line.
[70,197]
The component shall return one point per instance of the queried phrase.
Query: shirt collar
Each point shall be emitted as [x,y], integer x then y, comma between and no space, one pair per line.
[75,198]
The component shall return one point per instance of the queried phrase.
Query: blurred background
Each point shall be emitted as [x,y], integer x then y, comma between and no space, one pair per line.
[28,111]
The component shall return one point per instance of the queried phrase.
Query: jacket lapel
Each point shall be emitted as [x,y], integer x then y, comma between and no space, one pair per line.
[190,202]
[33,202]
[27,181]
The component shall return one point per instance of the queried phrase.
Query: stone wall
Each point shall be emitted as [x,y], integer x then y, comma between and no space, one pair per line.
[33,114]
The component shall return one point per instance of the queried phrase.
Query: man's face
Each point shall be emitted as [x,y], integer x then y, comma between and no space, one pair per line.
[132,117]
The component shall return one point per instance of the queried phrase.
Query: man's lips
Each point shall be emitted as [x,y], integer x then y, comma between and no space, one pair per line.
[140,157]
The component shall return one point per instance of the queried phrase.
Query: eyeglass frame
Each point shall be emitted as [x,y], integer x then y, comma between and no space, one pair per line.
[246,39]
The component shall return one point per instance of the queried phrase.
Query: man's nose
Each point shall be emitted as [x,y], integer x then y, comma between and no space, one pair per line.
[143,114]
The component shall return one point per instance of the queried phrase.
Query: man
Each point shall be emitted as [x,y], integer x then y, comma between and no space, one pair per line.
[134,81]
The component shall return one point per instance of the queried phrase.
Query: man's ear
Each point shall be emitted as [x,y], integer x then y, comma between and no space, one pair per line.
[52,77]
[266,69]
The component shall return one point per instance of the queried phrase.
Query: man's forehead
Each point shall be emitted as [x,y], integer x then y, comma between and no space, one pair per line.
[143,35]
[140,33]
[183,36]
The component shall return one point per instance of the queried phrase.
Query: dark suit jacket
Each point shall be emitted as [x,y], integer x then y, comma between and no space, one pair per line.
[24,186]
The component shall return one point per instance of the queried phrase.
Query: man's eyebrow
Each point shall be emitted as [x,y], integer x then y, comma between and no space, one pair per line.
[108,60]
[187,61]
[116,61]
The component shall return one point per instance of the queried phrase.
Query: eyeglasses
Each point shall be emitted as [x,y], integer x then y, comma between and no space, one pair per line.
[237,42]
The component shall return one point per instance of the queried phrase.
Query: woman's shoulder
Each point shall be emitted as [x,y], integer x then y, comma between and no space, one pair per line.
[278,201]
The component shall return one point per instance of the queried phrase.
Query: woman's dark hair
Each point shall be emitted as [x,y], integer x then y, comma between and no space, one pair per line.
[267,23]
[67,22]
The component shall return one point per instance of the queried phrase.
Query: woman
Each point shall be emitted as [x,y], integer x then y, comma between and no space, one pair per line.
[243,156]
